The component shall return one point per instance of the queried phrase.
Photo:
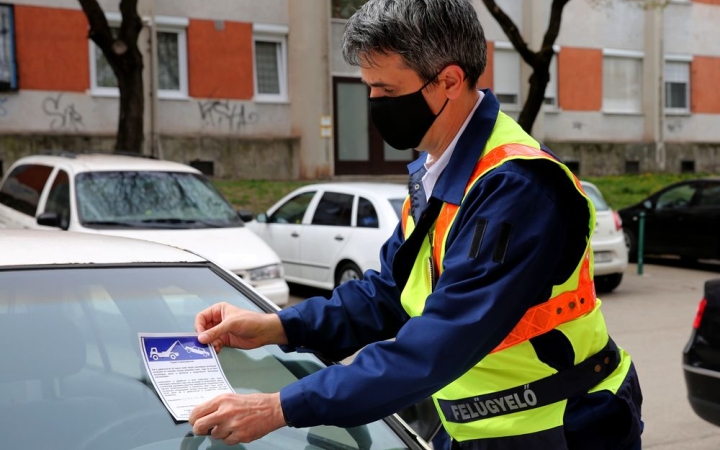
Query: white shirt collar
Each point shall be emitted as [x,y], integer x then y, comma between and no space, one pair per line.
[435,168]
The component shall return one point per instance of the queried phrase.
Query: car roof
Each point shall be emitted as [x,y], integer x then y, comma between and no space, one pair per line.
[107,162]
[41,247]
[387,190]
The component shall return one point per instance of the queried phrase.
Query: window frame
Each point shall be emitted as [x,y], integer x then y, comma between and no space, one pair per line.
[164,24]
[502,46]
[554,82]
[686,59]
[624,55]
[276,34]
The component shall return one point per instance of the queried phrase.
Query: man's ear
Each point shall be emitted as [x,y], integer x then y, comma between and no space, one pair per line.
[454,81]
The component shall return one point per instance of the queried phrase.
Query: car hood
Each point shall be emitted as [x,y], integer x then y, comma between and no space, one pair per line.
[235,248]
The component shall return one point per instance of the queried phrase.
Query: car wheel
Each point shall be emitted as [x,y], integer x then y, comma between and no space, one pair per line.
[347,271]
[631,245]
[155,357]
[606,283]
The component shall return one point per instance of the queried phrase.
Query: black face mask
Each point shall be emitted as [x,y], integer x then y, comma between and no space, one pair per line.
[403,121]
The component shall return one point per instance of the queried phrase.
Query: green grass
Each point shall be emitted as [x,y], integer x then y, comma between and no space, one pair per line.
[619,190]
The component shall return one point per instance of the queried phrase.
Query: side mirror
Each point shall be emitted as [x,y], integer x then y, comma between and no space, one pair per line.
[53,219]
[246,215]
[262,218]
[647,204]
[423,418]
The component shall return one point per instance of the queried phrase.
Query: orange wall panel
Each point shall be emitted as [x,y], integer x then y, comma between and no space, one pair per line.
[580,79]
[220,61]
[704,76]
[486,80]
[709,2]
[52,48]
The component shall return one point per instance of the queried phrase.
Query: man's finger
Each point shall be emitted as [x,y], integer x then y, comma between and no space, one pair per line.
[212,334]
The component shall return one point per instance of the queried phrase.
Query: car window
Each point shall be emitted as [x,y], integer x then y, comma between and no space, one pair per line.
[152,200]
[710,195]
[23,186]
[397,204]
[676,197]
[293,210]
[58,200]
[596,198]
[366,215]
[79,376]
[334,209]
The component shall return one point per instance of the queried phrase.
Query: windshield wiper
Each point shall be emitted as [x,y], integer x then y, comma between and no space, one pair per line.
[178,221]
[110,223]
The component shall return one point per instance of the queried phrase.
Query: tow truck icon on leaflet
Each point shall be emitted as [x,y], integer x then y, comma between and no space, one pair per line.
[169,353]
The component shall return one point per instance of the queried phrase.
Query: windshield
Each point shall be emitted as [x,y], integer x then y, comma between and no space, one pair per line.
[596,197]
[151,200]
[397,204]
[73,377]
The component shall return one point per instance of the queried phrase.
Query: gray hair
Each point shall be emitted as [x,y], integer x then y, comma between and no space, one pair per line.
[429,35]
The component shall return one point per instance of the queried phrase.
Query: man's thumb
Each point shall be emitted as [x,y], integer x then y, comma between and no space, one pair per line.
[208,336]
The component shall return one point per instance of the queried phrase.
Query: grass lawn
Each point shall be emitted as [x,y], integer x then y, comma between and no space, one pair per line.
[618,190]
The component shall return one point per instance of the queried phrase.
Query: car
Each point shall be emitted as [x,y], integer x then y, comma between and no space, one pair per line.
[682,219]
[197,350]
[328,233]
[701,356]
[73,304]
[137,197]
[608,242]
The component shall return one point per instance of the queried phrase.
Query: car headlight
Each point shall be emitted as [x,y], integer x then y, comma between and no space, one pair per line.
[266,273]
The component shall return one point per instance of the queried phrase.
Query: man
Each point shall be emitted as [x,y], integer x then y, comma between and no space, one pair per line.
[485,286]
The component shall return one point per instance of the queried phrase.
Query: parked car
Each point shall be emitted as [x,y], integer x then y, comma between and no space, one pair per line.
[329,233]
[137,197]
[682,219]
[608,243]
[72,306]
[701,357]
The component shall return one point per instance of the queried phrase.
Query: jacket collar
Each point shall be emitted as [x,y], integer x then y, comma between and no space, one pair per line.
[467,152]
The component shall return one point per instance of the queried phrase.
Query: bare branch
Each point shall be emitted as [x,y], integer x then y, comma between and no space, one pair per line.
[131,24]
[512,32]
[553,29]
[99,28]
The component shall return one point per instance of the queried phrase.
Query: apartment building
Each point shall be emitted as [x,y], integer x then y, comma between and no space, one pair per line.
[258,89]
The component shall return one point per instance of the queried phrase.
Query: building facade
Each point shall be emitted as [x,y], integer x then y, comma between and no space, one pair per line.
[250,89]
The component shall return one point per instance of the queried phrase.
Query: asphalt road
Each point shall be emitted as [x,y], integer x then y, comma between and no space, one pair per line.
[651,317]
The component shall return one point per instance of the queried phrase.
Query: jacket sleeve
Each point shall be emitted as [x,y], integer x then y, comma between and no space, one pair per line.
[478,299]
[358,312]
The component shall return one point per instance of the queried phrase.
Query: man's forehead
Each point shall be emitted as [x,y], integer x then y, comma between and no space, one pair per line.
[383,70]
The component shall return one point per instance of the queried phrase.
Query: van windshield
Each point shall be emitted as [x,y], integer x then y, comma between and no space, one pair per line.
[151,200]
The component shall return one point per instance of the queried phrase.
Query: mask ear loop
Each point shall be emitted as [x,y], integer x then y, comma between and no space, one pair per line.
[427,84]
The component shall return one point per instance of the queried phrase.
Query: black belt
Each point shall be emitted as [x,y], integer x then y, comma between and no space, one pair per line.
[568,383]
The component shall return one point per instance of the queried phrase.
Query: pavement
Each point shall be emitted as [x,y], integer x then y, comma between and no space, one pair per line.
[651,316]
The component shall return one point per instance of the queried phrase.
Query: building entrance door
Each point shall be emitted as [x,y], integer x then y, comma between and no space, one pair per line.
[359,149]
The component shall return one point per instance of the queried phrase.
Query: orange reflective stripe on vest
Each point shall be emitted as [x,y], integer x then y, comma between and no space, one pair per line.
[543,317]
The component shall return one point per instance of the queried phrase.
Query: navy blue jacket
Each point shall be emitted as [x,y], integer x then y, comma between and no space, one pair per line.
[476,303]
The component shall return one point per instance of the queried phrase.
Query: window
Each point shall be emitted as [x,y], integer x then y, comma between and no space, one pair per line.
[622,82]
[676,197]
[58,200]
[334,209]
[710,195]
[8,63]
[677,86]
[293,210]
[343,9]
[22,188]
[366,214]
[507,76]
[171,48]
[270,53]
[551,101]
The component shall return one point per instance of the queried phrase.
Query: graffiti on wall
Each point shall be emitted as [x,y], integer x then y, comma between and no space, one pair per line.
[226,115]
[674,125]
[63,115]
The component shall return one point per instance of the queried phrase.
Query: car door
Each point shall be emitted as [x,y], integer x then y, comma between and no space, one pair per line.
[58,198]
[329,231]
[666,223]
[20,195]
[704,224]
[283,229]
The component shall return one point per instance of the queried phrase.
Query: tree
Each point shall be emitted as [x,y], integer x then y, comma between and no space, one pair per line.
[123,55]
[539,60]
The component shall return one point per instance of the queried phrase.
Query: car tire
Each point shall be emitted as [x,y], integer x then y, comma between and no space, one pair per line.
[631,245]
[607,283]
[347,271]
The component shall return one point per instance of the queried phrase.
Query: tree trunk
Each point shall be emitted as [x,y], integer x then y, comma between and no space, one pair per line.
[536,95]
[123,55]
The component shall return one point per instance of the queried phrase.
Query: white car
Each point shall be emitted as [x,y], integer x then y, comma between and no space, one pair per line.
[141,198]
[608,242]
[77,302]
[328,233]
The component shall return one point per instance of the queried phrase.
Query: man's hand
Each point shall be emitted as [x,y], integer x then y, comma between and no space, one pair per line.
[225,325]
[236,418]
